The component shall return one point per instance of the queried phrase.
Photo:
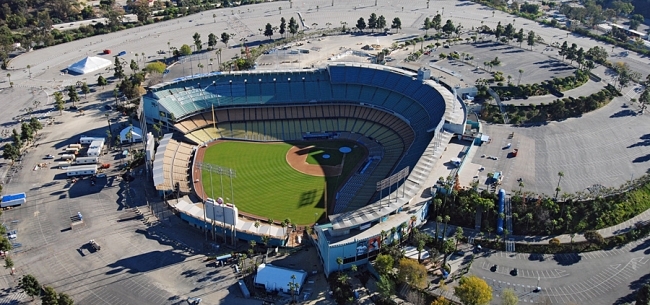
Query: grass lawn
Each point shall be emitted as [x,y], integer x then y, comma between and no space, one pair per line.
[267,186]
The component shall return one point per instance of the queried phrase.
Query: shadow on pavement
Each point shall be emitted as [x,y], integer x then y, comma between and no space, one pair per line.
[147,261]
[566,259]
[634,286]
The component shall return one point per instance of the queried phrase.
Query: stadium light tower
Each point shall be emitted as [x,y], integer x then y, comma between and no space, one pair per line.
[221,171]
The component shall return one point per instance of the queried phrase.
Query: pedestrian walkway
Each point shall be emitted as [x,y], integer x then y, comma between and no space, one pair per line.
[619,229]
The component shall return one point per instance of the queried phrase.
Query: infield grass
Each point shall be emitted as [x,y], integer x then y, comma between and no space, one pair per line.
[265,185]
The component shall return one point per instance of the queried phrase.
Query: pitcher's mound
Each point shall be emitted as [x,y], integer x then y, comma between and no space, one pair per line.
[297,159]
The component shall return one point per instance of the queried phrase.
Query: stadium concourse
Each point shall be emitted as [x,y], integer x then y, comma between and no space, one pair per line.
[405,119]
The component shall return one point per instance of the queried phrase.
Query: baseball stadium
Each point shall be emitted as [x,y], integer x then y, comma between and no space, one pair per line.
[348,148]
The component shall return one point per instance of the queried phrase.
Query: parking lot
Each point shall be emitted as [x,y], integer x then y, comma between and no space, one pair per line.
[537,67]
[599,277]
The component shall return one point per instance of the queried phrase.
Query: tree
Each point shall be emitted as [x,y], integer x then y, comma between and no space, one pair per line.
[293,26]
[473,290]
[118,68]
[185,50]
[397,24]
[35,124]
[58,102]
[197,41]
[212,41]
[385,287]
[427,25]
[594,237]
[498,32]
[49,297]
[339,261]
[30,285]
[440,301]
[643,295]
[72,94]
[436,23]
[372,22]
[557,189]
[283,26]
[381,22]
[448,28]
[293,286]
[563,49]
[156,66]
[9,263]
[101,81]
[597,54]
[225,37]
[458,235]
[65,299]
[10,152]
[361,24]
[384,264]
[509,297]
[412,273]
[531,39]
[644,99]
[5,244]
[268,32]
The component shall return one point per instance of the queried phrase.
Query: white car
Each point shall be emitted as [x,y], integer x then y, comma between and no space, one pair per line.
[13,234]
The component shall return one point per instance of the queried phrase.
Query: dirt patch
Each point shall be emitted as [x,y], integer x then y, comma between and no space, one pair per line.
[297,159]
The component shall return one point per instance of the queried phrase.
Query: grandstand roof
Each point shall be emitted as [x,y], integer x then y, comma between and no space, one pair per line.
[399,88]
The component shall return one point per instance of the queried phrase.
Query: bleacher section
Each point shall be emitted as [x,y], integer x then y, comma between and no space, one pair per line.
[172,164]
[398,81]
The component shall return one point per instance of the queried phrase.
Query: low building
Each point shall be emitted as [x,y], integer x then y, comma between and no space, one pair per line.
[82,170]
[274,278]
[95,148]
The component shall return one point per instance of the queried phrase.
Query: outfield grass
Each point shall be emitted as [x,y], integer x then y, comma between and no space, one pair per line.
[267,186]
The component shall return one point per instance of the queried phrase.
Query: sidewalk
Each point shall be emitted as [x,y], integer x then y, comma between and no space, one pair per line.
[619,229]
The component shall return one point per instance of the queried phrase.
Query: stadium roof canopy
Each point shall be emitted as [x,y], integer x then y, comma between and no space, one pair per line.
[89,64]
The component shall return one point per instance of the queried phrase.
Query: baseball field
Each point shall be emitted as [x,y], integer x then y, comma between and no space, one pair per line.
[281,180]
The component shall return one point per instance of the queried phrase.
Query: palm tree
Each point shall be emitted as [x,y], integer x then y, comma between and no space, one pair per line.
[253,243]
[257,225]
[447,219]
[521,186]
[339,261]
[438,221]
[557,189]
[529,218]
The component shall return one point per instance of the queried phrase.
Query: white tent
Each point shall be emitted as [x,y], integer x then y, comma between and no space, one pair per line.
[278,278]
[89,64]
[136,134]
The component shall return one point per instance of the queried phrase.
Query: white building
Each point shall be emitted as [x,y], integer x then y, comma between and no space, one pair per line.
[95,148]
[82,170]
[274,278]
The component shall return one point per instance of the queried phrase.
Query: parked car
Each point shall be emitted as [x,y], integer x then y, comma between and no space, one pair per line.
[121,53]
[13,234]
